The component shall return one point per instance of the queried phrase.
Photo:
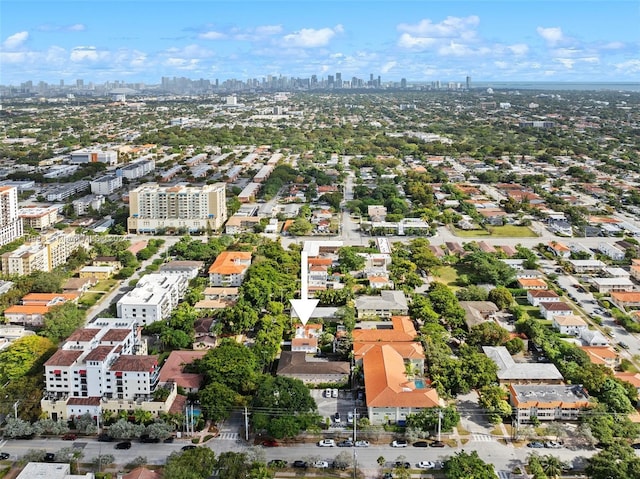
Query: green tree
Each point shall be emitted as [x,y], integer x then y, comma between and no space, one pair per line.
[231,364]
[618,460]
[123,429]
[15,428]
[551,465]
[62,320]
[501,296]
[24,356]
[494,399]
[350,260]
[463,465]
[487,334]
[427,419]
[218,400]
[198,463]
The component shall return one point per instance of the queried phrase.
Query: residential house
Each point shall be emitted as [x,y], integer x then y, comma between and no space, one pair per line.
[604,355]
[532,283]
[554,308]
[586,265]
[191,269]
[305,338]
[613,252]
[218,298]
[537,296]
[229,268]
[388,304]
[377,212]
[569,324]
[97,272]
[631,378]
[626,300]
[296,364]
[528,274]
[511,372]
[559,249]
[548,402]
[477,312]
[593,337]
[609,285]
[173,370]
[380,282]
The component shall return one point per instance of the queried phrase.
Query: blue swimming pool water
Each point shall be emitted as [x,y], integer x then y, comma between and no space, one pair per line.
[419,383]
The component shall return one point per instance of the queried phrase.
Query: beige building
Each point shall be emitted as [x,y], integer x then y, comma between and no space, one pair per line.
[46,253]
[10,222]
[38,218]
[155,208]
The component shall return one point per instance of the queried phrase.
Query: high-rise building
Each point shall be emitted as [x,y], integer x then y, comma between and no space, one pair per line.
[79,84]
[403,83]
[468,83]
[338,80]
[10,222]
[180,207]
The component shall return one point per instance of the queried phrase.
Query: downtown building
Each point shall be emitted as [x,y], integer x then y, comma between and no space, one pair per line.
[10,222]
[192,209]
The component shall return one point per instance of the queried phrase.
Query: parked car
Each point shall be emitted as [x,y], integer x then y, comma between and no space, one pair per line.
[346,443]
[623,345]
[334,393]
[349,417]
[426,465]
[327,443]
[270,443]
[437,444]
[69,437]
[148,439]
[277,463]
[126,445]
[399,443]
[327,392]
[49,457]
[636,445]
[336,418]
[4,456]
[535,445]
[105,438]
[300,464]
[321,464]
[168,440]
[188,447]
[553,444]
[421,444]
[387,475]
[362,443]
[405,465]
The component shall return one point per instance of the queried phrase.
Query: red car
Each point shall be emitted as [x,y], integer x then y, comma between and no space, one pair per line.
[270,443]
[69,437]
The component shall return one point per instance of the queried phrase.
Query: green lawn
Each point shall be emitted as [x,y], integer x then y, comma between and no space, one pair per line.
[447,275]
[508,231]
[105,285]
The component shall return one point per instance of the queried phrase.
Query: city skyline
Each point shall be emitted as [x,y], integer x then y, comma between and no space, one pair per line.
[573,41]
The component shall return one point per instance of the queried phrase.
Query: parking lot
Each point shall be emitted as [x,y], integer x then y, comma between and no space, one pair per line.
[328,406]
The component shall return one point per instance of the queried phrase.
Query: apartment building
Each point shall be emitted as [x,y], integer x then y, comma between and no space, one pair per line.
[89,155]
[548,402]
[137,169]
[10,223]
[105,185]
[153,298]
[38,218]
[180,207]
[229,268]
[82,205]
[102,367]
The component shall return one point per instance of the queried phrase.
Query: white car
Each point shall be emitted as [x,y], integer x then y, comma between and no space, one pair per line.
[399,444]
[362,443]
[426,465]
[334,393]
[349,417]
[336,418]
[321,464]
[327,443]
[327,393]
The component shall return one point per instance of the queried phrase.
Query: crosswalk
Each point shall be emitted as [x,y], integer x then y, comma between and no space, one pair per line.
[481,437]
[2,443]
[228,436]
[504,474]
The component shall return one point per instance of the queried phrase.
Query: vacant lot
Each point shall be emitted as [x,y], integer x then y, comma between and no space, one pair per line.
[508,231]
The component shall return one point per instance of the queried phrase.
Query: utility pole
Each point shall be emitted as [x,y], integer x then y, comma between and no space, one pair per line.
[355,458]
[15,409]
[439,423]
[246,424]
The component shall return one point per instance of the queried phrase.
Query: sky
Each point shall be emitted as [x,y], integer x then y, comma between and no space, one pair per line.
[420,40]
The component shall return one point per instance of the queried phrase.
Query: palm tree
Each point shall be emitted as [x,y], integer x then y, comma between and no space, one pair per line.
[552,466]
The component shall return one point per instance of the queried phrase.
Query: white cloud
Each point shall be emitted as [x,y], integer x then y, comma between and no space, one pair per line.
[79,54]
[312,38]
[450,27]
[268,30]
[552,35]
[76,27]
[519,49]
[566,62]
[415,43]
[211,35]
[15,41]
[386,68]
[630,66]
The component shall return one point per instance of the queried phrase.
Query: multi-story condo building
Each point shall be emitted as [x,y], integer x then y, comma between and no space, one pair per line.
[153,298]
[62,192]
[180,207]
[44,254]
[81,205]
[105,185]
[39,218]
[10,222]
[103,367]
[137,169]
[229,268]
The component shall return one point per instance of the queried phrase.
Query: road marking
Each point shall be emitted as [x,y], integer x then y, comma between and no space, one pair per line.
[2,444]
[228,436]
[481,437]
[504,474]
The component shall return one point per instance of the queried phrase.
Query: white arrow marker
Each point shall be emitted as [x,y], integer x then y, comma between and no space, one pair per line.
[304,306]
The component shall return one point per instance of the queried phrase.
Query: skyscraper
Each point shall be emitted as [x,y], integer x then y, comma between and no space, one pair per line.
[338,80]
[468,83]
[10,222]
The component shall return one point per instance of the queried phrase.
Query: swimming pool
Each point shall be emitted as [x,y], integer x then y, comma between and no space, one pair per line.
[419,383]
